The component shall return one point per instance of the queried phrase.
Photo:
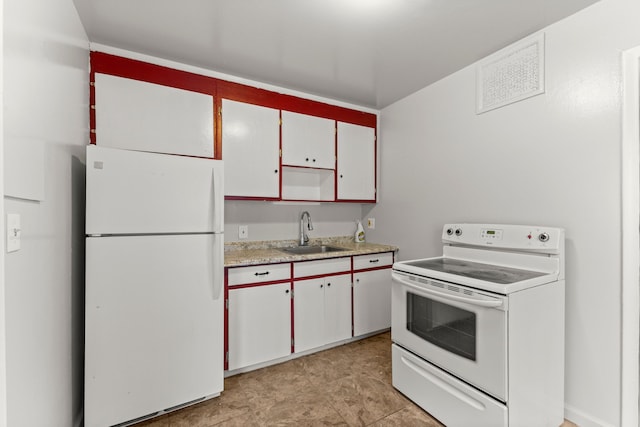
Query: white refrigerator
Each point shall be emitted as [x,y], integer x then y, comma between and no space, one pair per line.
[154,276]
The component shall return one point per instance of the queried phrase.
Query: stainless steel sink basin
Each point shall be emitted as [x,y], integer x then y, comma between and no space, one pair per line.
[306,250]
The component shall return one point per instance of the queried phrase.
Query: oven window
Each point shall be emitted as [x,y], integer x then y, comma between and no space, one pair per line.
[448,327]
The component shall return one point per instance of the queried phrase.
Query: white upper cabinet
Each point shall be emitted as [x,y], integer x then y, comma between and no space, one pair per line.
[308,141]
[356,162]
[251,150]
[137,115]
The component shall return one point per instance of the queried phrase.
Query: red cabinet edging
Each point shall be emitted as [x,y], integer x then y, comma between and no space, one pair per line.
[139,70]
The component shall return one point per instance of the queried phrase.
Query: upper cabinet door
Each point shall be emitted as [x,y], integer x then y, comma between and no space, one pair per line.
[251,150]
[137,115]
[356,162]
[308,141]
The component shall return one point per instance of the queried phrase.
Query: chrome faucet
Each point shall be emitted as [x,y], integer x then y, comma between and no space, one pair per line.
[304,239]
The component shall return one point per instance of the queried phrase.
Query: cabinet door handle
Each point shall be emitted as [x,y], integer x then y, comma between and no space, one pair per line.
[340,176]
[306,160]
[287,291]
[314,160]
[374,260]
[275,171]
[328,284]
[262,274]
[321,286]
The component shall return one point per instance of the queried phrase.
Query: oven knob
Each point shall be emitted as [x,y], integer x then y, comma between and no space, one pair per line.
[458,231]
[449,231]
[543,237]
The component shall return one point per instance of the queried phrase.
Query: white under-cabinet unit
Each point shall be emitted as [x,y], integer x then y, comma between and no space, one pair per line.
[259,314]
[371,293]
[136,115]
[308,141]
[251,150]
[356,162]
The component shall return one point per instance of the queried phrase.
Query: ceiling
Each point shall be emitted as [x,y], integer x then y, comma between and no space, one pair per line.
[365,52]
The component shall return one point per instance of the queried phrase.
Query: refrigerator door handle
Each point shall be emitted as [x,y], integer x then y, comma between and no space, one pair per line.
[218,265]
[217,179]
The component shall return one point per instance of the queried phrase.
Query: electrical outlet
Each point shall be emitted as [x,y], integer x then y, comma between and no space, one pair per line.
[371,223]
[243,232]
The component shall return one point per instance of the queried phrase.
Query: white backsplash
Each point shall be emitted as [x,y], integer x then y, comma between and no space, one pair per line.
[281,220]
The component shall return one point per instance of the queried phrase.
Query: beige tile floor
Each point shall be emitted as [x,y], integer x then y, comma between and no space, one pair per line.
[348,385]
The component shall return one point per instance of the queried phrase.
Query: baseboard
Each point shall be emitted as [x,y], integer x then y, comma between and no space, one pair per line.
[583,419]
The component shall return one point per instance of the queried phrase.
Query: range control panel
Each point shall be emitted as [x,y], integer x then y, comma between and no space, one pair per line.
[507,236]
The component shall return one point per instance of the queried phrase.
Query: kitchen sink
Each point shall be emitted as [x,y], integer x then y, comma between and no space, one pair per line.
[306,250]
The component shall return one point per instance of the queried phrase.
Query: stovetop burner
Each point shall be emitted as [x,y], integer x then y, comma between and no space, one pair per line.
[475,270]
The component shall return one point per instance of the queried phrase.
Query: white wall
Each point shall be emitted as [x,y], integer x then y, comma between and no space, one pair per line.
[553,159]
[46,93]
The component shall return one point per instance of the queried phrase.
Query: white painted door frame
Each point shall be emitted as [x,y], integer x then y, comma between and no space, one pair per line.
[3,341]
[630,295]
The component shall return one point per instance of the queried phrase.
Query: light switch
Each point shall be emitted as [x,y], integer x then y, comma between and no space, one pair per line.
[13,232]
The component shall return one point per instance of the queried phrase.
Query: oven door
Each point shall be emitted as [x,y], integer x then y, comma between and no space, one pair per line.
[461,330]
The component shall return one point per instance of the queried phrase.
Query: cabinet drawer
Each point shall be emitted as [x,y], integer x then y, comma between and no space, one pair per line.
[321,267]
[362,262]
[259,273]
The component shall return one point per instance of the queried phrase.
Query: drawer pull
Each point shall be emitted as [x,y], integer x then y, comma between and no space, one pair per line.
[262,274]
[374,260]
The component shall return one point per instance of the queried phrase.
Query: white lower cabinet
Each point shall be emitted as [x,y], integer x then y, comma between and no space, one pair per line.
[259,324]
[372,294]
[263,319]
[322,311]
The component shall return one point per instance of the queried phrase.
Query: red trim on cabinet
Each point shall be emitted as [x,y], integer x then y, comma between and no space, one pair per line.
[335,162]
[352,296]
[280,163]
[217,127]
[375,165]
[152,73]
[92,107]
[293,321]
[307,167]
[260,199]
[382,267]
[318,276]
[226,320]
[256,285]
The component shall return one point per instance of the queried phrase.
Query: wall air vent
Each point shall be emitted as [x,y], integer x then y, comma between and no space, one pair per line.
[511,74]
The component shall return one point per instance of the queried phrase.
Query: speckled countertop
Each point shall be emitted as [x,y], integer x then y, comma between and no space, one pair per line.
[270,251]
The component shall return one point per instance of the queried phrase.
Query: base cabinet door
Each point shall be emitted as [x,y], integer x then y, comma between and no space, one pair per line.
[337,312]
[259,324]
[308,309]
[371,301]
[322,311]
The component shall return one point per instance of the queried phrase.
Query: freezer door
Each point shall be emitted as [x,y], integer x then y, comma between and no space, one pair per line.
[154,324]
[132,192]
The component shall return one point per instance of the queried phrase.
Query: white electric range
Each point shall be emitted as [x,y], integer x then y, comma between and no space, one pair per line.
[478,333]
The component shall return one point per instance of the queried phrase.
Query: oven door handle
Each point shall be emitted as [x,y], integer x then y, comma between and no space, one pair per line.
[428,291]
